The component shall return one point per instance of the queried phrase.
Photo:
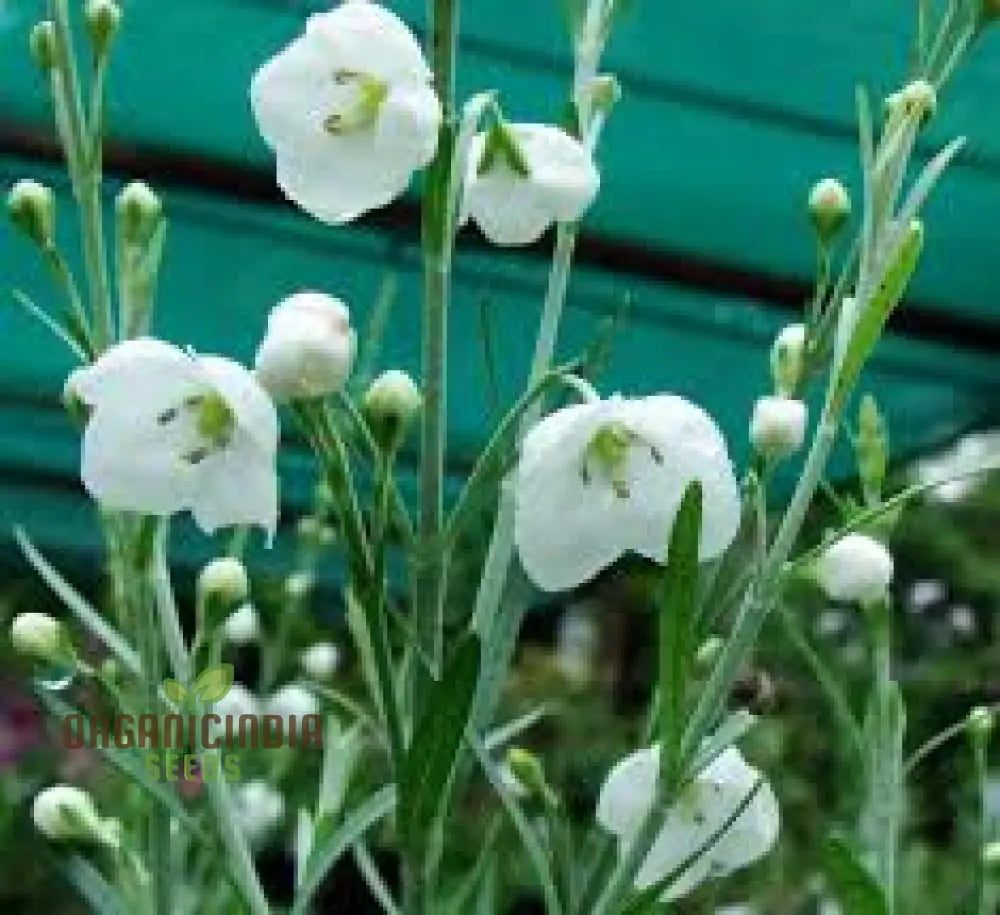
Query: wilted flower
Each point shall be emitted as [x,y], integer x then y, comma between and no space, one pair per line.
[259,809]
[321,660]
[600,479]
[242,626]
[349,110]
[170,430]
[522,178]
[308,348]
[855,568]
[701,811]
[63,812]
[778,426]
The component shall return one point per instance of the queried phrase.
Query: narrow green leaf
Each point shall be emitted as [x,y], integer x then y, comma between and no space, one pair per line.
[854,886]
[101,897]
[76,603]
[214,683]
[430,760]
[50,324]
[677,606]
[330,844]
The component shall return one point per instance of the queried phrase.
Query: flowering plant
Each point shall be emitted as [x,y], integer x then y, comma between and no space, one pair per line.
[352,109]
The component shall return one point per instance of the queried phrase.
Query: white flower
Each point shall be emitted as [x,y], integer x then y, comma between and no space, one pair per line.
[855,568]
[321,660]
[778,426]
[702,810]
[259,808]
[597,480]
[522,178]
[238,701]
[292,699]
[64,812]
[349,110]
[242,626]
[37,635]
[171,431]
[308,349]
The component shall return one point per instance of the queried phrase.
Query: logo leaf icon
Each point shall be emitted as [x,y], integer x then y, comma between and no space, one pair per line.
[214,683]
[174,691]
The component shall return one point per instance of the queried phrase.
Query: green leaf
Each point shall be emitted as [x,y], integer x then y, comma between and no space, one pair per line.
[430,760]
[330,843]
[676,606]
[854,886]
[214,683]
[175,691]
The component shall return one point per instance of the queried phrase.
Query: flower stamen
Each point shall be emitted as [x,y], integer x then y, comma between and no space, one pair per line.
[360,109]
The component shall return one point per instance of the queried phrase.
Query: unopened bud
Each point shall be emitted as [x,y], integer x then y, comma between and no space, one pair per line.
[788,359]
[43,45]
[529,771]
[63,812]
[778,426]
[829,207]
[602,92]
[872,449]
[321,660]
[32,210]
[916,100]
[390,404]
[103,18]
[979,723]
[225,581]
[39,636]
[139,211]
[242,626]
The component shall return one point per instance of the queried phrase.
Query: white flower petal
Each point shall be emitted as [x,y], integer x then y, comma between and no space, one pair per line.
[236,485]
[366,38]
[627,793]
[408,124]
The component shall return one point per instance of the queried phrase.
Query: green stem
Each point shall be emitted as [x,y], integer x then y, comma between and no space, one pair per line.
[982,822]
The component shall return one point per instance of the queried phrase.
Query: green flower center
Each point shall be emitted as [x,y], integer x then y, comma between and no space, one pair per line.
[213,423]
[607,456]
[363,98]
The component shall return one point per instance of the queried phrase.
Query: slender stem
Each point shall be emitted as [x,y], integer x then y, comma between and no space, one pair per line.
[982,821]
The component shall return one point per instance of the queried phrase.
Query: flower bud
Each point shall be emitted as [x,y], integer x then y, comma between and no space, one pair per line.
[787,358]
[390,404]
[139,210]
[224,580]
[600,94]
[321,660]
[778,426]
[917,100]
[856,568]
[63,812]
[872,449]
[529,771]
[308,349]
[829,207]
[242,626]
[103,18]
[979,723]
[31,207]
[43,45]
[40,636]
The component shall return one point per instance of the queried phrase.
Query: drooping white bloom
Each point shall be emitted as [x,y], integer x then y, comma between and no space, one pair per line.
[292,699]
[778,426]
[349,111]
[308,349]
[703,809]
[37,635]
[522,178]
[170,430]
[600,479]
[259,809]
[321,660]
[242,626]
[63,812]
[855,568]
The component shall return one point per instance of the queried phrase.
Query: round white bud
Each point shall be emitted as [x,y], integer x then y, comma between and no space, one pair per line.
[139,211]
[856,568]
[320,661]
[259,809]
[242,626]
[778,426]
[390,404]
[43,44]
[38,635]
[31,207]
[63,812]
[308,349]
[224,580]
[829,207]
[788,357]
[103,18]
